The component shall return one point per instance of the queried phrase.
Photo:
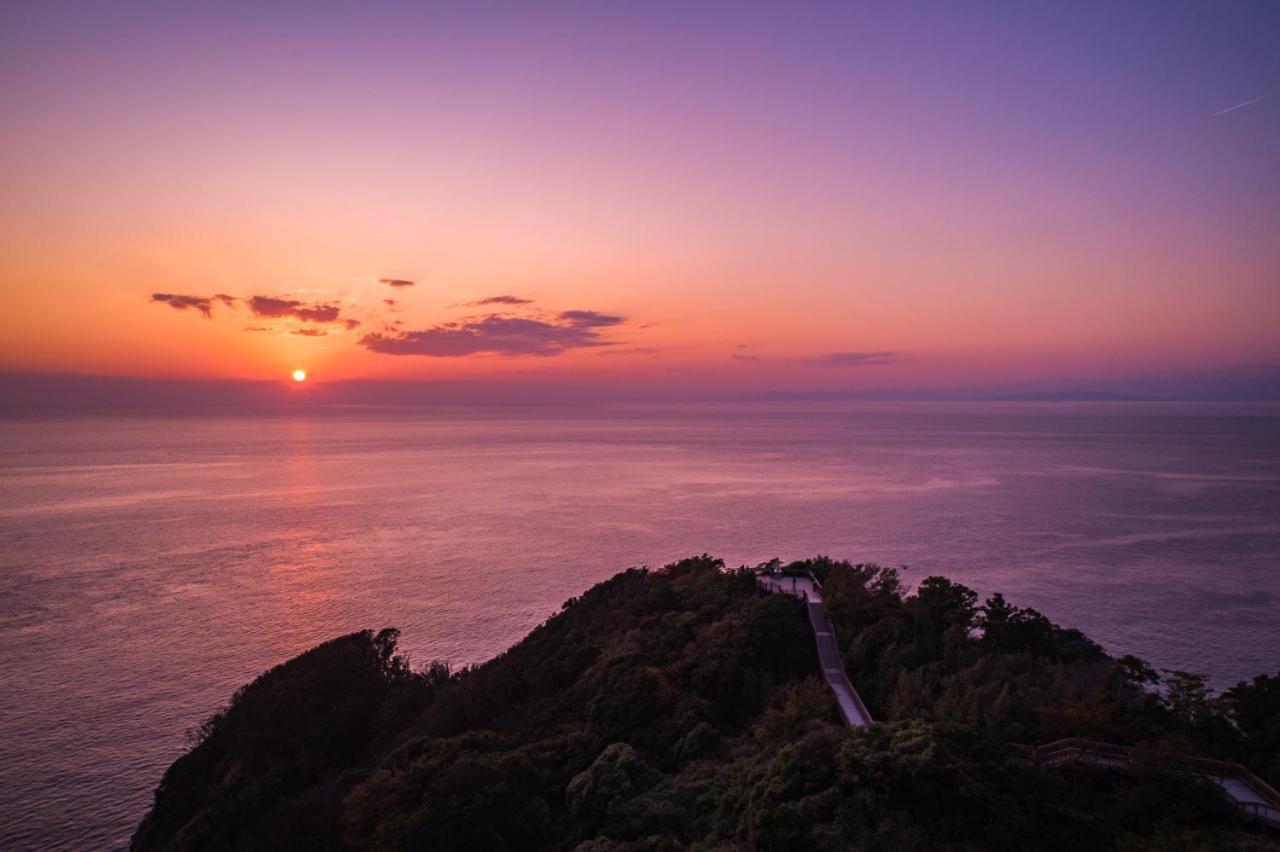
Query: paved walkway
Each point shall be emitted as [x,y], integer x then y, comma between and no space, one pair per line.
[1252,796]
[1246,795]
[851,707]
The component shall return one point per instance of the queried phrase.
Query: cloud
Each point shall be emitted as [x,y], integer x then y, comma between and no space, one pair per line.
[499,300]
[738,356]
[258,328]
[498,335]
[266,306]
[396,282]
[390,303]
[203,304]
[852,359]
[635,350]
[590,319]
[310,332]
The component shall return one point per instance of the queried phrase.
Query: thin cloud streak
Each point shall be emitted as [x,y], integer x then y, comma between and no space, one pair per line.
[635,350]
[499,300]
[853,359]
[1247,103]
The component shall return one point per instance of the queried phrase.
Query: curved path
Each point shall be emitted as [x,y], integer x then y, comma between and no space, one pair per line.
[851,707]
[1253,797]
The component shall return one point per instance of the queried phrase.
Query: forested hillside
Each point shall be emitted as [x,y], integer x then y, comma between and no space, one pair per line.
[682,708]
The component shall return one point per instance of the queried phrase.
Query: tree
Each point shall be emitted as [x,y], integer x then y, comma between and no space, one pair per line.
[1188,697]
[1137,671]
[948,603]
[1254,704]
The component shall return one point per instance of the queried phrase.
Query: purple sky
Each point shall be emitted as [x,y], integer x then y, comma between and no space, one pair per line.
[758,197]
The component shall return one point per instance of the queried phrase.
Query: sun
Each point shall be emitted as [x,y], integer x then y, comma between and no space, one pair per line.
[299,375]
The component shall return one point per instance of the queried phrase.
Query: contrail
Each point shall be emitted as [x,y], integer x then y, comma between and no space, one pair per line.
[1246,103]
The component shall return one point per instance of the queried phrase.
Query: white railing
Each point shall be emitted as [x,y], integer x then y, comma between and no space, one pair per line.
[1108,755]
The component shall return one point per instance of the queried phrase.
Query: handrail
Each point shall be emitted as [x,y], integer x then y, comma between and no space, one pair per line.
[863,712]
[1078,748]
[841,685]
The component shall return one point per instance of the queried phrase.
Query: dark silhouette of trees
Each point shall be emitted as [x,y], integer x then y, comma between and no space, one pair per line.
[682,708]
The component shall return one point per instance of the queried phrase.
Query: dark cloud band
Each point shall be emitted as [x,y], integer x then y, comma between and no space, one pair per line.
[498,335]
[853,359]
[499,300]
[267,306]
[178,302]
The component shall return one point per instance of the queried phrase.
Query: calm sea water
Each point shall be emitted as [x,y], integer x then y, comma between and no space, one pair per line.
[150,565]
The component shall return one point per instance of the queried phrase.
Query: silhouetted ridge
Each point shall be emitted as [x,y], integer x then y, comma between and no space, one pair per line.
[683,708]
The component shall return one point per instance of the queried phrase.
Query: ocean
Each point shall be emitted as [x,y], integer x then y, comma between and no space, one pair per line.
[149,565]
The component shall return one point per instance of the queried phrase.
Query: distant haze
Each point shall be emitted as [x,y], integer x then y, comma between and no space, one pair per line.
[58,392]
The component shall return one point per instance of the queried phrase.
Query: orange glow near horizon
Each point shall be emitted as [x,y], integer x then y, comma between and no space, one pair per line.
[804,220]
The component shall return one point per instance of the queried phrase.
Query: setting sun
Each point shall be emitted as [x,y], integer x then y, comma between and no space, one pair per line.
[775,299]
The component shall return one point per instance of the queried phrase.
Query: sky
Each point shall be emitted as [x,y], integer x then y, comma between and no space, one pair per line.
[745,197]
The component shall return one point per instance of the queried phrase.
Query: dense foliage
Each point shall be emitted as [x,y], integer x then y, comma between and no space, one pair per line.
[938,654]
[682,708]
